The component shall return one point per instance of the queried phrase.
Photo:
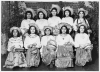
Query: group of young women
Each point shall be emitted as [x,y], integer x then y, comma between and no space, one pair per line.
[53,41]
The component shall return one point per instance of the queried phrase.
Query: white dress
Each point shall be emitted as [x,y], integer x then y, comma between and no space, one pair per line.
[82,40]
[44,41]
[32,55]
[41,23]
[25,24]
[54,21]
[83,49]
[15,58]
[64,52]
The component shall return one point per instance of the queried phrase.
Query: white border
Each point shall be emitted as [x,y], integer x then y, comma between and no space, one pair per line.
[49,1]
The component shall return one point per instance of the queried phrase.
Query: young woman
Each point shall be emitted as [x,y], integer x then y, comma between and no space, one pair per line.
[15,47]
[27,20]
[54,20]
[48,44]
[82,20]
[83,46]
[67,13]
[41,21]
[32,44]
[64,48]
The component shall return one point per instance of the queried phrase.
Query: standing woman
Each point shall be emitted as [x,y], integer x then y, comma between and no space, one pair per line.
[83,46]
[67,13]
[32,44]
[64,48]
[29,14]
[15,47]
[82,20]
[54,20]
[48,46]
[41,21]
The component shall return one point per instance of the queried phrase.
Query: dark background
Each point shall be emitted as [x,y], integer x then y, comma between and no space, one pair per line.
[12,14]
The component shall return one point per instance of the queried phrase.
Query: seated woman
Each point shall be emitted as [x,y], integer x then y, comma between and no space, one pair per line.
[15,47]
[83,47]
[32,44]
[64,48]
[48,46]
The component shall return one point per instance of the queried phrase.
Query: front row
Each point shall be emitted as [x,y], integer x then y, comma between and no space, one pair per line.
[57,50]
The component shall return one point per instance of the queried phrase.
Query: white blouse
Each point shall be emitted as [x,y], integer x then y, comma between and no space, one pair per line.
[81,39]
[32,39]
[68,20]
[25,24]
[54,21]
[44,41]
[61,40]
[17,42]
[41,23]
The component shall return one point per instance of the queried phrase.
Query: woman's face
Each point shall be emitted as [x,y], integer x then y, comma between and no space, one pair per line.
[66,13]
[81,14]
[81,29]
[54,12]
[28,15]
[15,33]
[32,30]
[41,15]
[63,30]
[47,31]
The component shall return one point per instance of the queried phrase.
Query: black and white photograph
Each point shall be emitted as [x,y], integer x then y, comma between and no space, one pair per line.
[50,35]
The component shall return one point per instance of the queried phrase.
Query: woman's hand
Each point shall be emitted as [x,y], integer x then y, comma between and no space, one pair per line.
[89,31]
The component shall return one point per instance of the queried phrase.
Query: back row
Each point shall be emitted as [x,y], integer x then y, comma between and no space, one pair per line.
[54,20]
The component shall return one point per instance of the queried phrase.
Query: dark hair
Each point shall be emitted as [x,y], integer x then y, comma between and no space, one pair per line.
[66,29]
[45,31]
[84,17]
[68,11]
[44,17]
[18,33]
[83,14]
[85,30]
[36,31]
[26,14]
[51,11]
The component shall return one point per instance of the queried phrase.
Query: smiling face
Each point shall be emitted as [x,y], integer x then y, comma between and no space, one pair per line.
[15,33]
[63,29]
[32,30]
[54,12]
[41,15]
[28,15]
[82,29]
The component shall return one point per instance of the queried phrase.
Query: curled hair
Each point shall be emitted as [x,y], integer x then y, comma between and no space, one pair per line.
[68,11]
[85,30]
[18,33]
[44,17]
[51,11]
[67,30]
[83,14]
[50,31]
[26,14]
[36,31]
